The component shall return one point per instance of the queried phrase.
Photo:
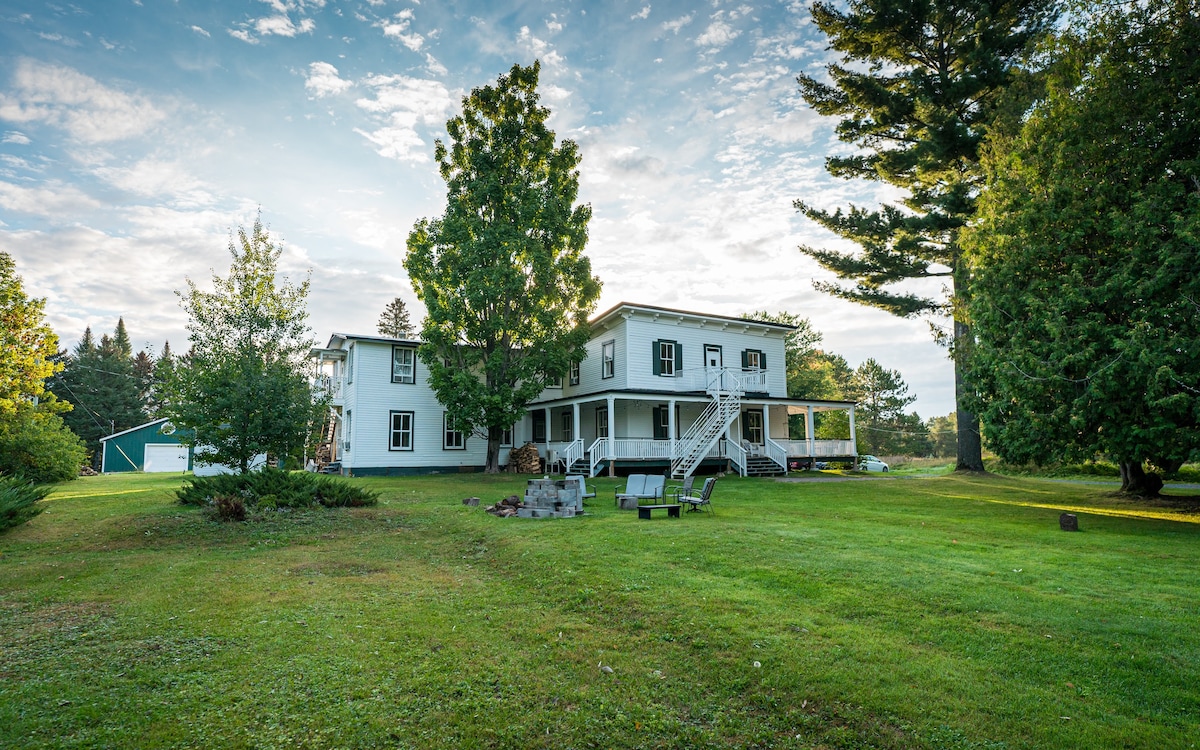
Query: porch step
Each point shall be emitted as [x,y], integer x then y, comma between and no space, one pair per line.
[761,466]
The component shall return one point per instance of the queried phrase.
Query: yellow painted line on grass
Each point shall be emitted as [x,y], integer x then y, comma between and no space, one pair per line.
[57,496]
[1147,514]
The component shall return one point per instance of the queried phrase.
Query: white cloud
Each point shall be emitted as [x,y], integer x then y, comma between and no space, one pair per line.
[540,48]
[433,66]
[282,26]
[717,35]
[243,35]
[399,30]
[402,103]
[88,110]
[677,24]
[16,137]
[155,178]
[323,80]
[55,200]
[642,14]
[201,31]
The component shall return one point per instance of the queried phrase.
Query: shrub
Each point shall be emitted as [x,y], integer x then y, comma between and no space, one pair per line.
[39,447]
[272,489]
[228,508]
[19,501]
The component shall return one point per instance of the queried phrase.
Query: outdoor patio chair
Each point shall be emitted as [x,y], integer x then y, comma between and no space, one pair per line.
[635,485]
[584,492]
[679,490]
[703,500]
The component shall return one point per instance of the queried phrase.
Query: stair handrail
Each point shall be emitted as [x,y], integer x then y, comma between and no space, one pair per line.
[571,453]
[599,452]
[705,431]
[736,455]
[776,453]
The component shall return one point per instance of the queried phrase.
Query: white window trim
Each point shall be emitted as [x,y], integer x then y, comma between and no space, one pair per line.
[666,359]
[412,365]
[447,432]
[608,359]
[392,431]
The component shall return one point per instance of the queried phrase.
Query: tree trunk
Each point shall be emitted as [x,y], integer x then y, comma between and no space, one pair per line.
[493,450]
[970,445]
[1135,481]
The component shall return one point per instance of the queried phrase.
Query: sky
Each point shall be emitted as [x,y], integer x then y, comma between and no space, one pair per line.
[135,135]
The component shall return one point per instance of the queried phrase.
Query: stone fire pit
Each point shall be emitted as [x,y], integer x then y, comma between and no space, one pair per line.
[551,498]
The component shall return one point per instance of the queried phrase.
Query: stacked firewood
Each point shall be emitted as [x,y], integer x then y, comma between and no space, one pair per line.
[506,507]
[87,471]
[525,460]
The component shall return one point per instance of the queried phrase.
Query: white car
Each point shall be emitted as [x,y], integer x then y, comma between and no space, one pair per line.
[870,463]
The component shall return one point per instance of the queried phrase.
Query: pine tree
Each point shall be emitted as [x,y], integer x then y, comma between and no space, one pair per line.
[394,321]
[918,86]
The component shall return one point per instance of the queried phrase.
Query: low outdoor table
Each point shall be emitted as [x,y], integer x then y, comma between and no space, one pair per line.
[672,510]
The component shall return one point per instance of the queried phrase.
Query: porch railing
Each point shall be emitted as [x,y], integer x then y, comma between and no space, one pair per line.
[821,448]
[718,379]
[568,451]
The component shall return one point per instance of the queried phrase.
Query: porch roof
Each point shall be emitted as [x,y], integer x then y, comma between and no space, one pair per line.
[657,395]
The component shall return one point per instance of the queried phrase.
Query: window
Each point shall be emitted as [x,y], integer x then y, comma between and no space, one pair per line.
[752,359]
[452,440]
[555,382]
[662,422]
[506,438]
[401,431]
[602,422]
[752,427]
[350,365]
[347,429]
[568,425]
[666,358]
[404,365]
[539,426]
[608,359]
[573,376]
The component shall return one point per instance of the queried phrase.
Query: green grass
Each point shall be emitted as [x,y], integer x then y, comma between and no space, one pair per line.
[940,612]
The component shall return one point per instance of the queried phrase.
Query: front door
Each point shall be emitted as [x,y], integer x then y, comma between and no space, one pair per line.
[712,365]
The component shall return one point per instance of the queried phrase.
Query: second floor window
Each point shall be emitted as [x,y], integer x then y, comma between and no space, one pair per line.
[667,358]
[752,359]
[404,365]
[573,375]
[608,359]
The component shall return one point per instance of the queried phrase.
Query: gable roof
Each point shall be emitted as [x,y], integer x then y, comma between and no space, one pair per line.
[133,429]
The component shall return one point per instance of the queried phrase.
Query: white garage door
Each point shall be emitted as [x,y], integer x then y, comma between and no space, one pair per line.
[166,458]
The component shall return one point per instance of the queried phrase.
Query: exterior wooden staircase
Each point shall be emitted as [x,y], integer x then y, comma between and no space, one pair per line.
[707,429]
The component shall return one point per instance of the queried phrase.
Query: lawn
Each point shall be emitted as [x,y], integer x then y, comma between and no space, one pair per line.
[938,612]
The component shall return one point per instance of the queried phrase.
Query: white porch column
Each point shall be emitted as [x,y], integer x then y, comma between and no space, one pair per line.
[671,427]
[612,435]
[766,423]
[546,411]
[809,430]
[576,433]
[853,436]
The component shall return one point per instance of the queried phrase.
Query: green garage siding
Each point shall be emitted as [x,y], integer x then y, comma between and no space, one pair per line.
[126,451]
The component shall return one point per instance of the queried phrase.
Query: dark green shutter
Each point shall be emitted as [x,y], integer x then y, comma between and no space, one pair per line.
[655,361]
[745,360]
[678,358]
[762,360]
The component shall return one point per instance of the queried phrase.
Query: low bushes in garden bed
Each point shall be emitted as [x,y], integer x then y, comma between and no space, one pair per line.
[231,497]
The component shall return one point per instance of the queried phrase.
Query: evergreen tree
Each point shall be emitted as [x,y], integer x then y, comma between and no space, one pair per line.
[502,272]
[1086,299]
[918,85]
[100,382]
[394,320]
[882,425]
[245,388]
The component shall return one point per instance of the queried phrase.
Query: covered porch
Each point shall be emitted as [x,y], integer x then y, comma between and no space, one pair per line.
[647,432]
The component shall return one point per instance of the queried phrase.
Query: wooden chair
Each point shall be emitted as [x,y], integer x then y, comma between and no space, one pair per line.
[703,500]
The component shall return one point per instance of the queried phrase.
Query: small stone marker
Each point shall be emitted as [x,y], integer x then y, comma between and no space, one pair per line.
[1068,522]
[470,501]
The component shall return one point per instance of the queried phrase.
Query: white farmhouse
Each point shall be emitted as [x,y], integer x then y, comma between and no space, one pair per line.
[659,390]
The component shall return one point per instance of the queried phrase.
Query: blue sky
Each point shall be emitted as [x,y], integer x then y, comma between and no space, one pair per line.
[135,134]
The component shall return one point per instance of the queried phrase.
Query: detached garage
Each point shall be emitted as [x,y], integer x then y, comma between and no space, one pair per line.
[152,447]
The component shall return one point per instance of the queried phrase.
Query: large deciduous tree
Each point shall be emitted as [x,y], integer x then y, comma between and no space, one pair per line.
[1086,299]
[918,83]
[29,346]
[502,272]
[245,387]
